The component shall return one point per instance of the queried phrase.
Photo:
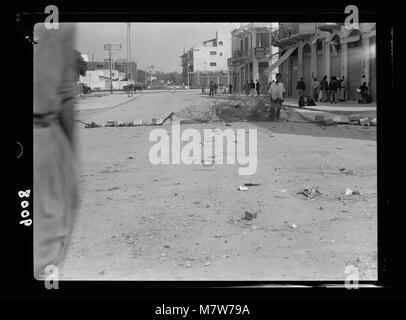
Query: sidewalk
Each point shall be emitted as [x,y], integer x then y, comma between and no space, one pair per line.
[348,106]
[103,101]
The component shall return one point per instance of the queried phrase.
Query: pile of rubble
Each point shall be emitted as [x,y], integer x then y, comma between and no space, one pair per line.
[341,119]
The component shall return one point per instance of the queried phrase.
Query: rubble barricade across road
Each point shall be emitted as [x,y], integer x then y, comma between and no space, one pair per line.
[364,121]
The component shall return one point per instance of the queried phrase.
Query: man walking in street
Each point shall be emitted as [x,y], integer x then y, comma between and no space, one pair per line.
[301,86]
[230,88]
[257,86]
[277,93]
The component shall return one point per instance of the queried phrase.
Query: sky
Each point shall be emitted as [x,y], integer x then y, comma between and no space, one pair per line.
[157,44]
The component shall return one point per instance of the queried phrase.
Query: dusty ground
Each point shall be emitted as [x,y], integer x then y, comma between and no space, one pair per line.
[140,221]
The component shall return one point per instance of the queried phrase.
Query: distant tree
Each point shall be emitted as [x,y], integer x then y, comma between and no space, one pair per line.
[80,65]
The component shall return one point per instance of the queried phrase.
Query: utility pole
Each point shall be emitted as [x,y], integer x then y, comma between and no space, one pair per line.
[111,47]
[188,74]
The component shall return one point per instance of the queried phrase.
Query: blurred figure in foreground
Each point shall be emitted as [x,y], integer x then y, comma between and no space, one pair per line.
[55,165]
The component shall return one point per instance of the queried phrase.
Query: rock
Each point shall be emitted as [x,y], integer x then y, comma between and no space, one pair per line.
[341,119]
[250,216]
[242,188]
[319,118]
[293,225]
[329,122]
[119,124]
[373,122]
[365,121]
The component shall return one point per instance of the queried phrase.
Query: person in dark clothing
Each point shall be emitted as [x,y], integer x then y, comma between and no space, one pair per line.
[324,89]
[230,88]
[252,87]
[333,87]
[301,86]
[215,87]
[211,92]
[257,86]
[247,88]
[363,91]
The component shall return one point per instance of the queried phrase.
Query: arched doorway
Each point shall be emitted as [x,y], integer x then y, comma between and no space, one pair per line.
[372,44]
[320,60]
[307,53]
[335,57]
[293,72]
[354,64]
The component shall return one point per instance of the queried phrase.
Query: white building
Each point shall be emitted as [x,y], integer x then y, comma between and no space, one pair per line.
[100,79]
[207,62]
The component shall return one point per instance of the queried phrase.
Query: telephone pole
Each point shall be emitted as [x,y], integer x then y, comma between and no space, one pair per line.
[111,47]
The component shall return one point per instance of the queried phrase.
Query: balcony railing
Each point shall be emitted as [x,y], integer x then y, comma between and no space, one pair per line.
[262,51]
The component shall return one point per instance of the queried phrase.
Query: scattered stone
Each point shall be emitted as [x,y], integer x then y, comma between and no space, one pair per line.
[341,119]
[293,225]
[310,192]
[365,121]
[242,188]
[166,246]
[218,236]
[250,216]
[250,184]
[130,158]
[345,171]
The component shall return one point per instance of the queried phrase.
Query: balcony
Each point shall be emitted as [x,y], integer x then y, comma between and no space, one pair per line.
[262,52]
[290,33]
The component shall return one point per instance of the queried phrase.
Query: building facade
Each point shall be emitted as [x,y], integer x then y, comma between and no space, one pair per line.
[314,50]
[118,64]
[252,54]
[99,79]
[206,63]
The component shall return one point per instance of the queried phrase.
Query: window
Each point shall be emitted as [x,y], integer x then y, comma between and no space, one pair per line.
[220,43]
[213,53]
[212,64]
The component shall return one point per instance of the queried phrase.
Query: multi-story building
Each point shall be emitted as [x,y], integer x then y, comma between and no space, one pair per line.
[207,62]
[252,53]
[312,50]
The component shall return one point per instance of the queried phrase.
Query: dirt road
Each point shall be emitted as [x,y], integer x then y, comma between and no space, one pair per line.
[141,221]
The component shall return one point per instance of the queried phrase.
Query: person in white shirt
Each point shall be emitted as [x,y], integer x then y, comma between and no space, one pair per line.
[277,93]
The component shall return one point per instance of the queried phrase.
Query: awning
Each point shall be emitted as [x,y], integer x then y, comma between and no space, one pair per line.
[286,55]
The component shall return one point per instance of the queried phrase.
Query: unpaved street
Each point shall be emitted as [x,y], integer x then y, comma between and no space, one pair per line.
[140,221]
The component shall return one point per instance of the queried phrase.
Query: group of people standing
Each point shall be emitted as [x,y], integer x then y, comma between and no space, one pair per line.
[332,91]
[250,87]
[214,86]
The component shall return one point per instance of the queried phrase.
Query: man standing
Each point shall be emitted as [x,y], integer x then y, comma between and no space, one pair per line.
[333,89]
[257,86]
[215,88]
[211,91]
[316,89]
[252,87]
[247,88]
[230,88]
[277,93]
[301,86]
[343,88]
[324,88]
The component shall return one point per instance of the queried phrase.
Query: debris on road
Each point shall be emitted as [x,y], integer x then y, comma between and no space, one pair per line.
[364,121]
[310,192]
[242,188]
[250,216]
[293,226]
[130,158]
[345,171]
[341,119]
[250,184]
[373,122]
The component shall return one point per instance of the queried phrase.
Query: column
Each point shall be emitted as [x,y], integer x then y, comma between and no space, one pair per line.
[327,58]
[344,64]
[255,69]
[313,61]
[366,59]
[300,60]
